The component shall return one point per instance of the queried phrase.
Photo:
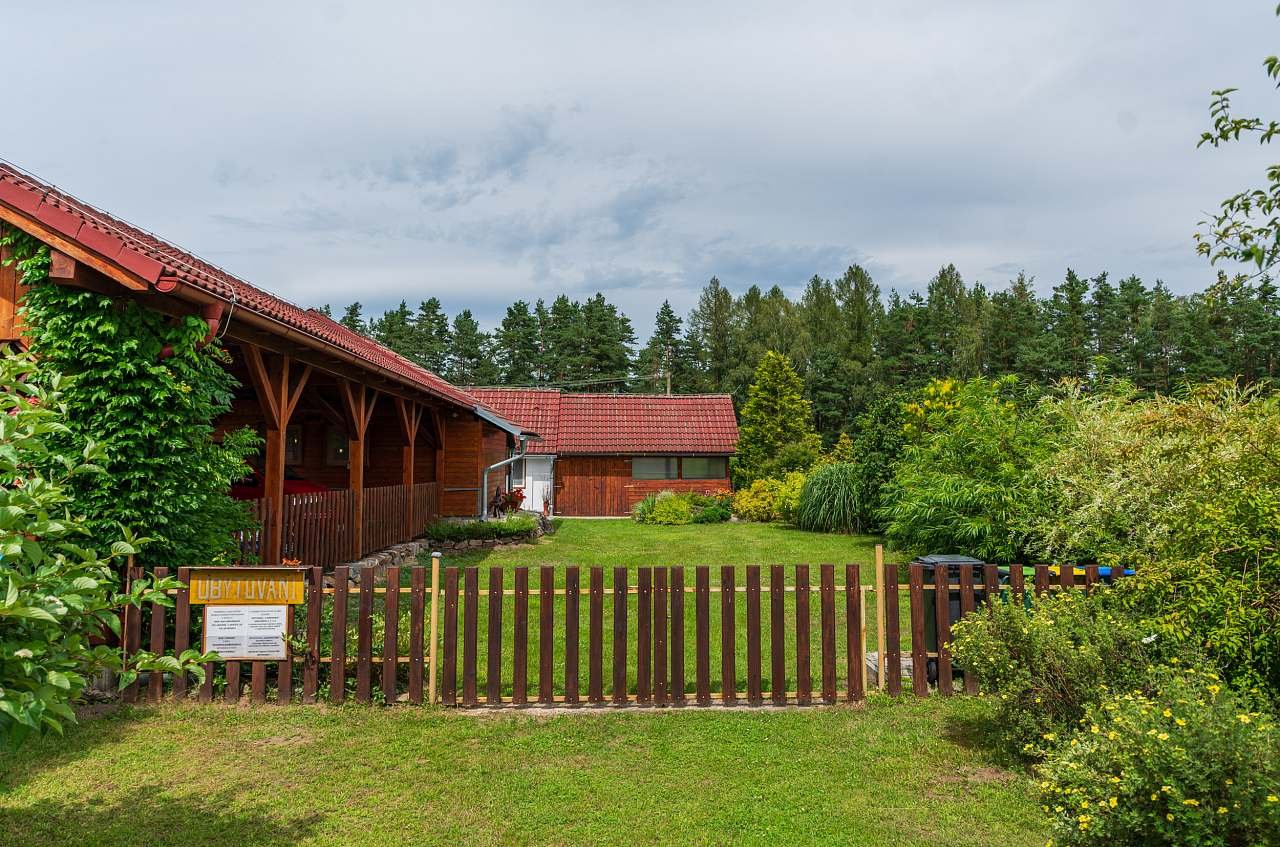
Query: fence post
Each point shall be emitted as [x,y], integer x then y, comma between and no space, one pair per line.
[880,618]
[435,621]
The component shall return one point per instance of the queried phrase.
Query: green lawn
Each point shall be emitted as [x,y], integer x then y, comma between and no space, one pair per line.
[610,543]
[901,773]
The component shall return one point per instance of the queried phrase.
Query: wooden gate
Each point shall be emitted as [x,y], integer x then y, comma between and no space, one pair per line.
[652,636]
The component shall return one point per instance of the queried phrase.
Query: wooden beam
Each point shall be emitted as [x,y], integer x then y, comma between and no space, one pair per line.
[59,242]
[358,403]
[410,415]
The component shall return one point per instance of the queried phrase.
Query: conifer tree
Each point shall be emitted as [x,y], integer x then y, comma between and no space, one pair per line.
[395,330]
[775,428]
[665,355]
[353,319]
[431,326]
[515,345]
[711,335]
[470,359]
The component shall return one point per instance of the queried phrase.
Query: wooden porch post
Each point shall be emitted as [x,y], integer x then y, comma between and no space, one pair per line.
[410,415]
[438,419]
[278,397]
[359,402]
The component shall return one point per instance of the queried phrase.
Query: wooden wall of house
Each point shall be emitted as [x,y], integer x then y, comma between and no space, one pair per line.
[460,479]
[602,485]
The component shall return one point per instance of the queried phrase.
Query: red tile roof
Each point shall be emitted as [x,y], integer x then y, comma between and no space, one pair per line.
[619,424]
[151,258]
[534,409]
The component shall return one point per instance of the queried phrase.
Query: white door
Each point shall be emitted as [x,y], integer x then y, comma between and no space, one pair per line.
[537,482]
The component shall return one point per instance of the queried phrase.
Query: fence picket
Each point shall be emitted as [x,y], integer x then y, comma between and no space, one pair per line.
[470,624]
[155,680]
[660,681]
[619,635]
[827,592]
[417,604]
[942,614]
[702,634]
[546,630]
[892,634]
[967,604]
[449,666]
[919,660]
[571,599]
[855,643]
[777,634]
[804,674]
[728,640]
[338,662]
[1017,582]
[520,640]
[595,638]
[493,667]
[677,635]
[1042,579]
[754,694]
[391,636]
[181,629]
[644,634]
[364,638]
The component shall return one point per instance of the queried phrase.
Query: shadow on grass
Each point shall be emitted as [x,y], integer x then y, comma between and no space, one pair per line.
[976,727]
[151,818]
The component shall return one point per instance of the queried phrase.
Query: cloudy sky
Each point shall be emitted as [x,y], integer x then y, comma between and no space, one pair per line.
[481,153]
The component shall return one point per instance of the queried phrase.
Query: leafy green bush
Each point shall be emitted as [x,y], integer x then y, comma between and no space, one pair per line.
[830,500]
[876,449]
[770,499]
[512,526]
[1192,764]
[1047,663]
[670,509]
[60,593]
[965,482]
[146,388]
[787,503]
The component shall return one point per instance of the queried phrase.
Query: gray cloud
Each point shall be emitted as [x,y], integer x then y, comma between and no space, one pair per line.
[483,152]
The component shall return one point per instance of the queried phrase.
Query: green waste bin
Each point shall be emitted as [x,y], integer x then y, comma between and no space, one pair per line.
[953,564]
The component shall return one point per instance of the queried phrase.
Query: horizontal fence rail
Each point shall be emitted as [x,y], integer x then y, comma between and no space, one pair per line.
[652,636]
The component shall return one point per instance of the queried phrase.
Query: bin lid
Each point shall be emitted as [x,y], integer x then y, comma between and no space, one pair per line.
[947,559]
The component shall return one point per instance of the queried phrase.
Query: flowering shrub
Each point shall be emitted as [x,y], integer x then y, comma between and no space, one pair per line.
[671,509]
[1195,764]
[512,526]
[1046,664]
[770,499]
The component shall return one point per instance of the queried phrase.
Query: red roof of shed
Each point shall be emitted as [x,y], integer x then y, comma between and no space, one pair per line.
[619,424]
[150,258]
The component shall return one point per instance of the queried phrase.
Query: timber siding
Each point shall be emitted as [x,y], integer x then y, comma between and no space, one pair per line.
[602,485]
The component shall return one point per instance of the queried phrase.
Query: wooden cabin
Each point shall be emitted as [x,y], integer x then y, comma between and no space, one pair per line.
[600,454]
[381,445]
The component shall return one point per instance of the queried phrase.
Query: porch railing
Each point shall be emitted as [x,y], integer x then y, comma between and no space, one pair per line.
[319,527]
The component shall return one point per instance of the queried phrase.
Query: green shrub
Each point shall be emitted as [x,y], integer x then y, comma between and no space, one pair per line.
[513,526]
[642,512]
[756,501]
[713,514]
[671,509]
[1046,664]
[786,504]
[830,500]
[1193,764]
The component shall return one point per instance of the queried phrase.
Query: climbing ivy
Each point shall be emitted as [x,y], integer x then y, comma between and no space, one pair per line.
[146,388]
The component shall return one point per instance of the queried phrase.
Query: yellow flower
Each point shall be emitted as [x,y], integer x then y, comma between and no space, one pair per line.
[1180,721]
[1169,816]
[1112,802]
[1155,796]
[1222,810]
[1094,729]
[1271,798]
[1164,736]
[1167,713]
[1243,718]
[1166,789]
[1191,801]
[1214,689]
[1113,735]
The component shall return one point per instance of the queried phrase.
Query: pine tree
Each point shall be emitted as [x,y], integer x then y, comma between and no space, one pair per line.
[1067,344]
[607,341]
[822,333]
[395,330]
[775,428]
[564,341]
[665,358]
[470,360]
[711,335]
[353,319]
[515,345]
[861,317]
[431,326]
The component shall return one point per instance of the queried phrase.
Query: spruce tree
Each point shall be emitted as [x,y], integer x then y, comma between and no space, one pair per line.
[431,327]
[607,339]
[353,319]
[515,345]
[711,335]
[665,356]
[395,330]
[471,359]
[775,429]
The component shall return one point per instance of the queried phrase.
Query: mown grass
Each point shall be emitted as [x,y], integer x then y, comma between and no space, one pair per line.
[891,773]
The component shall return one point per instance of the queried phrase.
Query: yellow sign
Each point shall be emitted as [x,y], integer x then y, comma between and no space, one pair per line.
[248,586]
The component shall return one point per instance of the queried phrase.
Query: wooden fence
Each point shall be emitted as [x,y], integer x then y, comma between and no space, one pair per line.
[785,640]
[318,526]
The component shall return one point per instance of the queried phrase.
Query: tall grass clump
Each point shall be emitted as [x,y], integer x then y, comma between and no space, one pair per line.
[831,500]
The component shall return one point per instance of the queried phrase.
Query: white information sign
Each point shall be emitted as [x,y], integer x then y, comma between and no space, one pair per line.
[246,632]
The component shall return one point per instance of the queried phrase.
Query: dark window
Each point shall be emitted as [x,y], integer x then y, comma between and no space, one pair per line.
[293,445]
[704,467]
[654,467]
[335,448]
